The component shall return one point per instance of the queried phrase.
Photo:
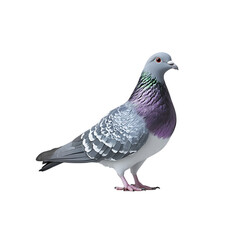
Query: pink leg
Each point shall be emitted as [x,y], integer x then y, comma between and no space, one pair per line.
[140,185]
[127,187]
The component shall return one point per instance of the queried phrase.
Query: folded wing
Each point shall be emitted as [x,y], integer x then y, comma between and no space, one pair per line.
[121,133]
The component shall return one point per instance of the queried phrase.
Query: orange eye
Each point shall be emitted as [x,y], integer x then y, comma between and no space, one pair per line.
[158,59]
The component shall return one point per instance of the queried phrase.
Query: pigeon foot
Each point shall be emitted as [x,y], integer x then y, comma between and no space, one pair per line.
[138,184]
[127,186]
[130,188]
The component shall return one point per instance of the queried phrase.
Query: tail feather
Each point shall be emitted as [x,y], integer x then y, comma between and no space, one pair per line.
[46,155]
[49,165]
[67,153]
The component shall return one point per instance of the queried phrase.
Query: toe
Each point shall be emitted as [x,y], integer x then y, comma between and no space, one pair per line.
[135,188]
[144,187]
[130,188]
[150,188]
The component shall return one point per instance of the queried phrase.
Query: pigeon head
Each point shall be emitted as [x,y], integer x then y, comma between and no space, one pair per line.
[158,64]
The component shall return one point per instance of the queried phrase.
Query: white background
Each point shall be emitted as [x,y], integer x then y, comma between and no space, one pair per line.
[65,64]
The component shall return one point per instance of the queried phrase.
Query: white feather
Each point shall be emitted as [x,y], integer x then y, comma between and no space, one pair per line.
[96,148]
[87,148]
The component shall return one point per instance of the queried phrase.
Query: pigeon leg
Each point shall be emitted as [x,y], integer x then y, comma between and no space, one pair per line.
[138,184]
[127,187]
[134,170]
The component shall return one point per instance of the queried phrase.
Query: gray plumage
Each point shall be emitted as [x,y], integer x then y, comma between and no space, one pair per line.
[121,133]
[129,134]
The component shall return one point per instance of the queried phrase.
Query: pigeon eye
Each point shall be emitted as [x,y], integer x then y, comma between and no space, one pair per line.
[158,59]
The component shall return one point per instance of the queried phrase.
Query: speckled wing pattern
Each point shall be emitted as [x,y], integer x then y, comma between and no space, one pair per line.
[120,133]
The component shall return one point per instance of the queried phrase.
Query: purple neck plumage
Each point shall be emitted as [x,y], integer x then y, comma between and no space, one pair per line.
[153,102]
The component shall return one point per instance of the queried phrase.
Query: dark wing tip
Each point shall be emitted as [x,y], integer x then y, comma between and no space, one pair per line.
[49,165]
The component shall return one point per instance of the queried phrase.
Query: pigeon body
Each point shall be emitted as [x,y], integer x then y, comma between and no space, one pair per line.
[130,133]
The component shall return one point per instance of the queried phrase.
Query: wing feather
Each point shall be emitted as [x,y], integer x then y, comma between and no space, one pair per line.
[120,133]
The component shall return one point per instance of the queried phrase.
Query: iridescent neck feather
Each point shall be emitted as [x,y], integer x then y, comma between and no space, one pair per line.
[153,102]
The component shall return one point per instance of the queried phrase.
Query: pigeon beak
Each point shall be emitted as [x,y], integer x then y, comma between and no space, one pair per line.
[173,65]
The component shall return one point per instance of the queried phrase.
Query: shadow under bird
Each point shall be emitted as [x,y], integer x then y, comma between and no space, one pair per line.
[130,133]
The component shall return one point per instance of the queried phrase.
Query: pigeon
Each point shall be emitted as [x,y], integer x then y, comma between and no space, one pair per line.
[130,133]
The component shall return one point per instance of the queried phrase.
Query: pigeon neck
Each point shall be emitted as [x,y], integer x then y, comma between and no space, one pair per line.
[147,86]
[152,101]
[157,74]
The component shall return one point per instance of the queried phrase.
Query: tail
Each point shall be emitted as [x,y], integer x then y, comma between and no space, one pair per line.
[71,152]
[49,165]
[45,157]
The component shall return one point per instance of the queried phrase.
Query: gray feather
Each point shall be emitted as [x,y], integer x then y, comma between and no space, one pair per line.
[120,133]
